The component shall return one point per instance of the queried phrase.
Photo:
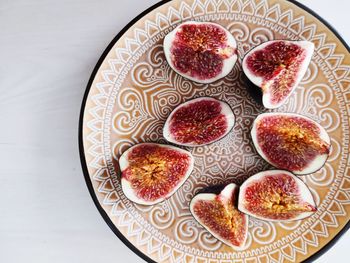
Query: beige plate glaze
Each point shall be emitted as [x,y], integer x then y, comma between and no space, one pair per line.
[133,90]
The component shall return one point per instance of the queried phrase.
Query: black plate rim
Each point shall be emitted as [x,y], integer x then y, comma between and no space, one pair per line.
[88,182]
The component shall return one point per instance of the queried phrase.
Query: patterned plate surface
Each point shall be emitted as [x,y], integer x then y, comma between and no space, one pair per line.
[133,90]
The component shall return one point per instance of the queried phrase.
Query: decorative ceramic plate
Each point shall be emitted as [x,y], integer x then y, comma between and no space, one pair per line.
[132,91]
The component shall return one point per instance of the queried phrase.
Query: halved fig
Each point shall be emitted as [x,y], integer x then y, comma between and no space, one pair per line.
[277,67]
[198,122]
[218,214]
[153,172]
[200,51]
[291,142]
[276,195]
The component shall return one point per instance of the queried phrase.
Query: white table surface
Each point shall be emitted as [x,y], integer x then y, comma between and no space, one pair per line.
[48,50]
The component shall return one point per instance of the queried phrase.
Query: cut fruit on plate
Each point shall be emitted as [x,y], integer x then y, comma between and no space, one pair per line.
[218,214]
[200,51]
[276,195]
[153,172]
[199,122]
[277,67]
[291,142]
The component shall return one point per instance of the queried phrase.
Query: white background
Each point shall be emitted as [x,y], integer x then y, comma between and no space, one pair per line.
[48,50]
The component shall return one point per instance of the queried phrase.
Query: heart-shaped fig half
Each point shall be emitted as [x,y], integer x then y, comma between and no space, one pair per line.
[151,173]
[198,122]
[200,51]
[219,215]
[277,67]
[291,142]
[276,195]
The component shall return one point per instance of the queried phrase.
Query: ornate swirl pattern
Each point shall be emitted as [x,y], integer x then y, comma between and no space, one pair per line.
[263,232]
[161,217]
[136,90]
[186,231]
[132,114]
[208,242]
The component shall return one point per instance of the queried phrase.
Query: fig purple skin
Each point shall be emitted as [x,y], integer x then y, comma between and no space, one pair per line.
[217,213]
[153,172]
[276,195]
[199,122]
[277,68]
[200,51]
[291,142]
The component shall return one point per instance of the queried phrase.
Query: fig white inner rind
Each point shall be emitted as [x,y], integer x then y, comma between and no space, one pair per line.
[304,193]
[314,165]
[228,63]
[227,193]
[258,80]
[225,110]
[127,188]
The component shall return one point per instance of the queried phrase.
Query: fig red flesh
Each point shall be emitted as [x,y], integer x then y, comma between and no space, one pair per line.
[199,122]
[290,142]
[224,221]
[202,37]
[277,67]
[278,61]
[200,51]
[276,195]
[154,171]
[270,198]
[218,214]
[201,65]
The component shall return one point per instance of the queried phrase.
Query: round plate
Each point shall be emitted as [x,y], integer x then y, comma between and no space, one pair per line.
[132,91]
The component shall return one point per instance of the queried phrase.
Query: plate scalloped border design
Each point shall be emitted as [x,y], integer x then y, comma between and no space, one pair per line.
[82,151]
